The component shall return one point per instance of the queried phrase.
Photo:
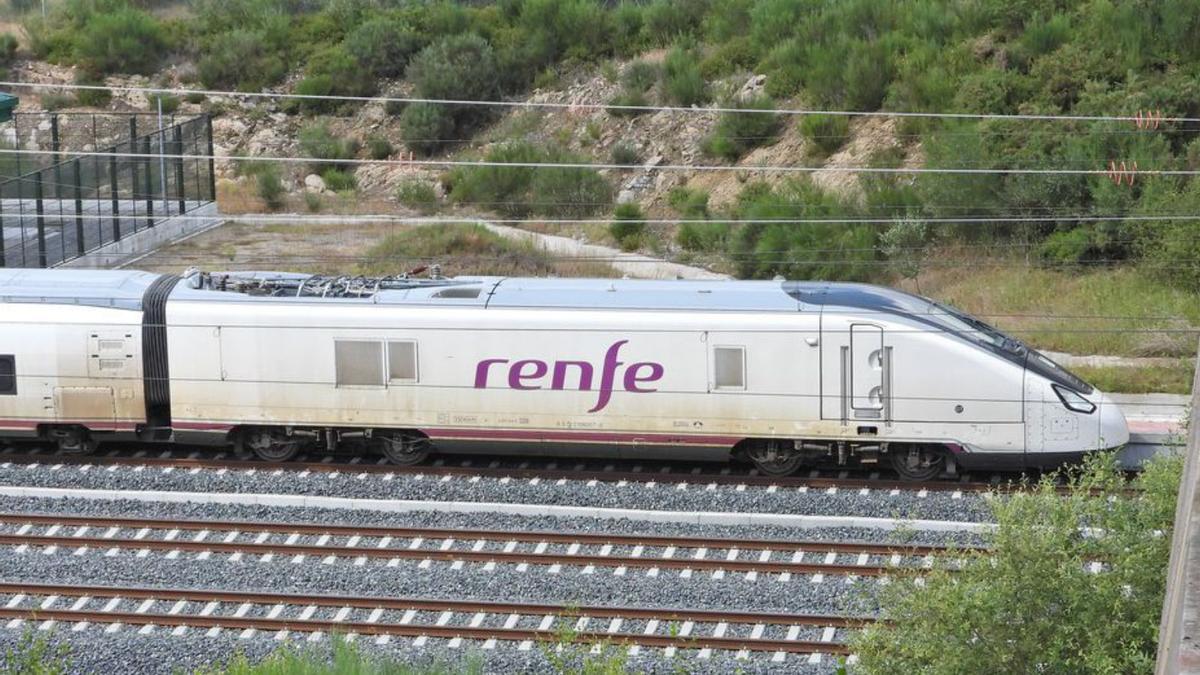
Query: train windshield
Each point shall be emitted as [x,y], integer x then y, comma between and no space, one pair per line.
[973,329]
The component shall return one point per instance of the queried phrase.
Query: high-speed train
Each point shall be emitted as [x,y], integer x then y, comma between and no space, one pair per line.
[779,373]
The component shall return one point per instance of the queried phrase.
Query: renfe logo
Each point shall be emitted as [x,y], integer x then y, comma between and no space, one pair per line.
[531,373]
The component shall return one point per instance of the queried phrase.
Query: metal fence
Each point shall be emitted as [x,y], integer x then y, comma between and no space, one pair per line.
[55,207]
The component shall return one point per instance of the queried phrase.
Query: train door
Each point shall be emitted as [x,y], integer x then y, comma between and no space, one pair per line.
[856,365]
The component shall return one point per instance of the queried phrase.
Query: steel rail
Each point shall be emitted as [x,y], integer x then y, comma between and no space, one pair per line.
[536,536]
[427,605]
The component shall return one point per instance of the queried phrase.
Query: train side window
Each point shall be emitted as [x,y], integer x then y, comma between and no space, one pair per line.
[402,361]
[8,375]
[359,363]
[729,367]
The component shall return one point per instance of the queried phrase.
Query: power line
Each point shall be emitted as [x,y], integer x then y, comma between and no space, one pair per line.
[596,106]
[587,165]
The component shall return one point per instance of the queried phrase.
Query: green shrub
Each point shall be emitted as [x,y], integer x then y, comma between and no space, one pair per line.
[56,100]
[827,133]
[379,147]
[270,187]
[569,192]
[95,98]
[424,125]
[1043,36]
[333,71]
[710,237]
[317,141]
[737,54]
[682,82]
[636,102]
[8,48]
[383,46]
[737,133]
[688,202]
[627,27]
[418,194]
[122,40]
[639,76]
[313,201]
[503,189]
[339,180]
[169,102]
[240,59]
[666,21]
[195,98]
[627,226]
[625,154]
[462,67]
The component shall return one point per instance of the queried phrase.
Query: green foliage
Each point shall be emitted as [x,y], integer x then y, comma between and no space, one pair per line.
[241,59]
[833,251]
[379,147]
[518,191]
[634,102]
[666,21]
[628,225]
[462,67]
[36,654]
[625,154]
[1032,602]
[682,82]
[689,202]
[95,98]
[737,133]
[639,76]
[383,45]
[122,40]
[418,194]
[424,125]
[8,48]
[827,133]
[339,658]
[313,202]
[168,102]
[317,141]
[339,180]
[333,71]
[270,187]
[56,100]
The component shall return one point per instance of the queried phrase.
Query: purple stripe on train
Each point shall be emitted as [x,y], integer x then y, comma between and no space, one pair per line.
[528,374]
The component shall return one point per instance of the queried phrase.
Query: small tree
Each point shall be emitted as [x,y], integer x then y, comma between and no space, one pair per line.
[424,125]
[1034,602]
[904,244]
[628,226]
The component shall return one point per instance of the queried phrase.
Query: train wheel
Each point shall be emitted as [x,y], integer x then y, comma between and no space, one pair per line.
[918,463]
[774,458]
[74,441]
[271,446]
[400,448]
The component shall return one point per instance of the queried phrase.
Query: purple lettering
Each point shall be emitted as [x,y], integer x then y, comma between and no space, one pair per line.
[481,372]
[608,375]
[517,374]
[560,375]
[632,378]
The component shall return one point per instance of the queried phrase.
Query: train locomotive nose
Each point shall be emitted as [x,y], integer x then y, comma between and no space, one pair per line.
[1114,431]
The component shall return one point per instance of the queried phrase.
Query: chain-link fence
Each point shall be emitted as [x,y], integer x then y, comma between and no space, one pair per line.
[127,174]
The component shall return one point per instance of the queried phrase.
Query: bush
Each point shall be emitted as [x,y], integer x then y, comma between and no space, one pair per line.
[827,133]
[333,72]
[379,147]
[313,202]
[418,194]
[635,100]
[56,100]
[8,48]
[318,141]
[122,40]
[669,20]
[739,132]
[625,154]
[517,191]
[383,46]
[712,237]
[1034,601]
[339,180]
[639,76]
[169,103]
[94,98]
[240,59]
[569,192]
[627,226]
[462,67]
[688,202]
[195,98]
[270,187]
[682,81]
[424,125]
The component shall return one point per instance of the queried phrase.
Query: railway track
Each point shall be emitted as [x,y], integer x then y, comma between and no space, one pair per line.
[456,545]
[422,618]
[533,470]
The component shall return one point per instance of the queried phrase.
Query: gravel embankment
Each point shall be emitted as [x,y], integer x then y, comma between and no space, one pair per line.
[662,496]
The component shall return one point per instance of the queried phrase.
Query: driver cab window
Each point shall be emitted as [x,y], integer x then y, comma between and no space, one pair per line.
[8,375]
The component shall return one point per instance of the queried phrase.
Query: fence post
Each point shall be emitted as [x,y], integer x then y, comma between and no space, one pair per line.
[3,255]
[41,220]
[179,185]
[212,171]
[148,185]
[113,179]
[77,179]
[133,169]
[1181,596]
[55,146]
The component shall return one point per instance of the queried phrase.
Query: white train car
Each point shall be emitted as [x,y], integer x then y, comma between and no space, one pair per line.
[780,373]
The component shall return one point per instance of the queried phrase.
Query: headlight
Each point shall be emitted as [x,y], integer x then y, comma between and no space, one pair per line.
[1073,400]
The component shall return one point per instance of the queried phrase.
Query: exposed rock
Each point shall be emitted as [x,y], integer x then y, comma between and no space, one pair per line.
[314,183]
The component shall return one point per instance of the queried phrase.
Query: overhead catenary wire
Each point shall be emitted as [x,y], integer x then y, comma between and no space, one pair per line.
[179,91]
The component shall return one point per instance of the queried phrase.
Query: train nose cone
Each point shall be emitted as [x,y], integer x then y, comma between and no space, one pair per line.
[1114,431]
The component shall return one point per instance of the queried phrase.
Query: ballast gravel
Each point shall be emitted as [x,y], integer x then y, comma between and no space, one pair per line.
[444,519]
[94,651]
[907,504]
